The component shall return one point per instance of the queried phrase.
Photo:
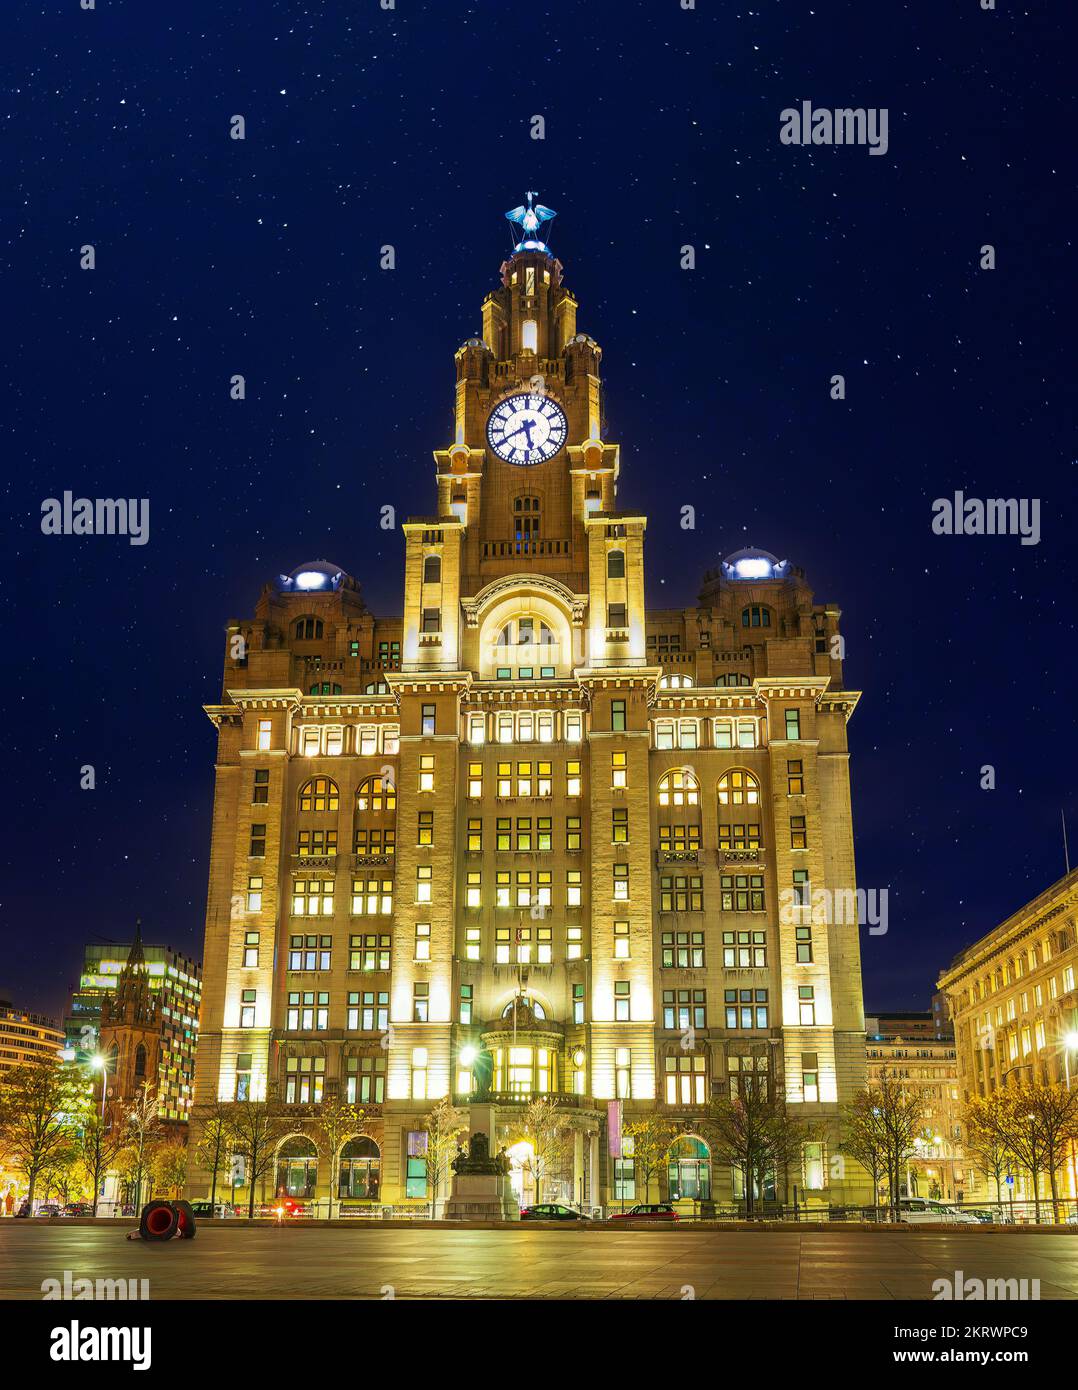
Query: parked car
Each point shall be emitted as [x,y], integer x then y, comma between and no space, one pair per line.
[208,1211]
[921,1211]
[551,1211]
[647,1211]
[78,1209]
[48,1209]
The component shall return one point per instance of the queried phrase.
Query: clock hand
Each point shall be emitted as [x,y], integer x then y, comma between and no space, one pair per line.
[514,435]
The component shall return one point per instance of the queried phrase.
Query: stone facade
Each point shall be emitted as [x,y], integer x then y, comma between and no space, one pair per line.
[532,818]
[1013,1000]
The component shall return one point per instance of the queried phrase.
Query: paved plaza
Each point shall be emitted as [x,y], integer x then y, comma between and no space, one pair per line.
[294,1262]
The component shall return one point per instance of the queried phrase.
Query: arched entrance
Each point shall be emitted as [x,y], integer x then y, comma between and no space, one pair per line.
[522,1172]
[360,1170]
[297,1168]
[689,1170]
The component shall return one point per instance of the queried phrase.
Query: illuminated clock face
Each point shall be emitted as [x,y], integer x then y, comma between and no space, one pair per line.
[526,429]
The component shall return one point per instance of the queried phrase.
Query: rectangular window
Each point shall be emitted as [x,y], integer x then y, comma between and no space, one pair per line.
[369,952]
[621,882]
[623,1073]
[572,778]
[664,733]
[309,952]
[250,950]
[574,893]
[428,719]
[619,833]
[744,950]
[475,780]
[681,892]
[793,723]
[426,772]
[316,843]
[501,945]
[619,770]
[243,1075]
[473,888]
[503,726]
[622,1001]
[798,833]
[419,1092]
[464,1014]
[574,726]
[806,1006]
[420,1002]
[803,939]
[572,833]
[742,892]
[265,735]
[795,778]
[304,1079]
[743,836]
[472,942]
[683,950]
[810,1078]
[746,1008]
[615,615]
[425,828]
[432,620]
[617,714]
[260,790]
[254,893]
[477,730]
[574,943]
[372,897]
[368,1012]
[248,1000]
[422,941]
[578,1003]
[424,883]
[312,897]
[308,1011]
[621,941]
[475,834]
[688,733]
[545,727]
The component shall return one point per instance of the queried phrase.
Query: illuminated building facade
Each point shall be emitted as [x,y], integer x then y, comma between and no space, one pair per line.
[1013,1000]
[26,1037]
[139,1006]
[531,817]
[918,1050]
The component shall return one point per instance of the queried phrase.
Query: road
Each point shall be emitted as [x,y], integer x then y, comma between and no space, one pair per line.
[293,1262]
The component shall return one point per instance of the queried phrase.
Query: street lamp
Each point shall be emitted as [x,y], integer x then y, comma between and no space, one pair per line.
[100,1062]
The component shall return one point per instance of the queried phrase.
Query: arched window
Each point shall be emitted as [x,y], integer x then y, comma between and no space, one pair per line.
[320,794]
[679,788]
[297,1168]
[756,615]
[307,629]
[679,814]
[738,788]
[140,1063]
[432,570]
[361,1170]
[615,564]
[537,1009]
[376,688]
[375,818]
[678,682]
[689,1170]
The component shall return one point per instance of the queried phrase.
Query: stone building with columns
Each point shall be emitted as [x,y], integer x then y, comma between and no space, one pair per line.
[531,825]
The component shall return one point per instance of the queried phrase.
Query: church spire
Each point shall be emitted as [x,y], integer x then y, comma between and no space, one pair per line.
[135,956]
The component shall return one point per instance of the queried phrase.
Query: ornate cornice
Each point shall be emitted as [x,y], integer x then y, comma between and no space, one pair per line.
[497,589]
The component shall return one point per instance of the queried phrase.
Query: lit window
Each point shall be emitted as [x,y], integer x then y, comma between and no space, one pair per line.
[619,773]
[572,778]
[424,875]
[574,943]
[572,833]
[265,735]
[810,1078]
[372,897]
[422,941]
[248,1000]
[681,893]
[621,941]
[475,779]
[679,788]
[738,788]
[472,942]
[574,726]
[474,889]
[798,833]
[426,772]
[621,882]
[257,847]
[806,1005]
[369,952]
[742,892]
[428,719]
[260,793]
[573,888]
[254,893]
[477,728]
[617,716]
[622,1001]
[312,897]
[466,999]
[623,1072]
[250,950]
[319,795]
[793,723]
[795,780]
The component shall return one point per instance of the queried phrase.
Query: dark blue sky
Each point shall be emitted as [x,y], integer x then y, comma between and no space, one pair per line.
[411,127]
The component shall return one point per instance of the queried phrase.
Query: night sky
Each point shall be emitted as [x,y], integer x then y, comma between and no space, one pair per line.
[411,127]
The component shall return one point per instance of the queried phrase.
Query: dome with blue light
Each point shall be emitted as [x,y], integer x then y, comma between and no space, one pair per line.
[313,577]
[751,563]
